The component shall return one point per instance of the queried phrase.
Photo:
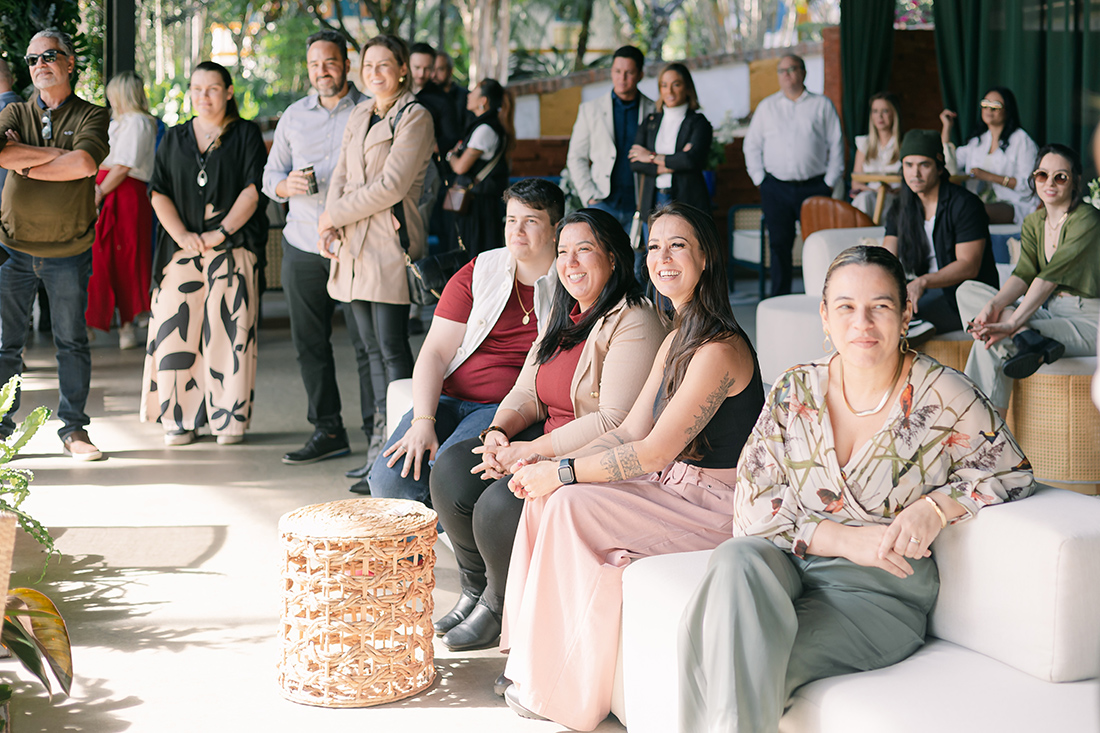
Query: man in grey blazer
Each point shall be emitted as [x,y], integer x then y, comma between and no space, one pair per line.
[602,136]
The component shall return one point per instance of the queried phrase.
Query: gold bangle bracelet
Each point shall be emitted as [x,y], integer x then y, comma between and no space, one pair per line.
[1005,181]
[943,517]
[424,417]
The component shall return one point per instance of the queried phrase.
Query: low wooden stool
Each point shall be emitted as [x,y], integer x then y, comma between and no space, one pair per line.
[357,602]
[1057,426]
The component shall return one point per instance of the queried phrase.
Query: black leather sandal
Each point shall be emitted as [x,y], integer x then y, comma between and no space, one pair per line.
[1032,351]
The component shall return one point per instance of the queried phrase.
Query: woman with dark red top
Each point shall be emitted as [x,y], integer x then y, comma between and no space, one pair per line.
[579,381]
[490,313]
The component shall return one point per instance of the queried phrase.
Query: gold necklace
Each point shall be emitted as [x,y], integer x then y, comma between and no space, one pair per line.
[1054,226]
[882,403]
[526,313]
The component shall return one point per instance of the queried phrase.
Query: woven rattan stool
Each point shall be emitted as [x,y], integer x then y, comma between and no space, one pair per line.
[1056,424]
[357,602]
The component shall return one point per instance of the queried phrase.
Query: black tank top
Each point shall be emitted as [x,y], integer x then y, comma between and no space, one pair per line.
[729,428]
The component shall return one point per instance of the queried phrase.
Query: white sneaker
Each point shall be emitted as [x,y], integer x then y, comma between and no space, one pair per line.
[127,336]
[179,437]
[230,439]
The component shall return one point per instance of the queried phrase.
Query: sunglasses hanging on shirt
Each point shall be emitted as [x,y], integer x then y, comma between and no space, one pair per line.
[47,125]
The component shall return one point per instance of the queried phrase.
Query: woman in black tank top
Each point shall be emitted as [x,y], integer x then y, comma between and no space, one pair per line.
[659,483]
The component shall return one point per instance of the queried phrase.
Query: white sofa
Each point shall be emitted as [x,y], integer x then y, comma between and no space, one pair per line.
[1013,645]
[788,327]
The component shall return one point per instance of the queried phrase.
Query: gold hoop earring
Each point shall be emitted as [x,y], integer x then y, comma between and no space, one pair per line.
[827,343]
[904,345]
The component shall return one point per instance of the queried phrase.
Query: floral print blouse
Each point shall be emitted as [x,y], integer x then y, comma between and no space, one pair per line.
[942,434]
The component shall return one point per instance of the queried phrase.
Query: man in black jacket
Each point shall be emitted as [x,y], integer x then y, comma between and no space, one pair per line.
[939,231]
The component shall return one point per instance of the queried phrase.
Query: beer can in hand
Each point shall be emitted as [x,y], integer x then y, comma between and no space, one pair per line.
[311,178]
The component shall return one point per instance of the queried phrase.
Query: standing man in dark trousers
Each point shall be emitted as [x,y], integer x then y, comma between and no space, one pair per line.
[53,145]
[309,136]
[794,149]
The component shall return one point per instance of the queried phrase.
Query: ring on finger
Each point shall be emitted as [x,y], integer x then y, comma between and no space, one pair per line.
[914,540]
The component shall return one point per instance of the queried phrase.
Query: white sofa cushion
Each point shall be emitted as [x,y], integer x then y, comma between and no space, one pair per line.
[1021,584]
[399,400]
[824,245]
[942,687]
[788,332]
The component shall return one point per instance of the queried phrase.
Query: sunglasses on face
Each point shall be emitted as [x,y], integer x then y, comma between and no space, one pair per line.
[1060,178]
[48,56]
[990,104]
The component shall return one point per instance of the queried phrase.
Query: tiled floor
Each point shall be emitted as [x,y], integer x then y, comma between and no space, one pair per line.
[170,559]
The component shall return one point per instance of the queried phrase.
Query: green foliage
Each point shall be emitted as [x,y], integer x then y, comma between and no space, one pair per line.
[21,19]
[15,482]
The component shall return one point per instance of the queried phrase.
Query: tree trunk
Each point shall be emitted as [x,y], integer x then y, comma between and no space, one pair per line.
[582,39]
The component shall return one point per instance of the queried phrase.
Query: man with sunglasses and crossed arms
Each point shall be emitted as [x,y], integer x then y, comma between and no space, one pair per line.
[53,145]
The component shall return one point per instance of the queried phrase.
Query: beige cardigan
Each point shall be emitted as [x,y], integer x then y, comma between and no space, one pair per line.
[614,364]
[375,171]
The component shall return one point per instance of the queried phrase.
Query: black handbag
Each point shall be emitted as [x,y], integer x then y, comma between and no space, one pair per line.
[429,275]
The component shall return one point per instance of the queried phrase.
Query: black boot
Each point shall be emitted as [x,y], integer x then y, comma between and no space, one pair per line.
[480,630]
[1033,349]
[377,440]
[458,614]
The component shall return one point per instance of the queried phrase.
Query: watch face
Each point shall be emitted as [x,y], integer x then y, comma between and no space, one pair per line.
[565,473]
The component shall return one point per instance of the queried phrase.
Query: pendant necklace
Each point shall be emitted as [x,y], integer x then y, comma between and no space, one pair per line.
[526,313]
[882,402]
[201,179]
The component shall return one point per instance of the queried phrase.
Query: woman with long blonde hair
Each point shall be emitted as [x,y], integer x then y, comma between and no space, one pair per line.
[877,151]
[122,250]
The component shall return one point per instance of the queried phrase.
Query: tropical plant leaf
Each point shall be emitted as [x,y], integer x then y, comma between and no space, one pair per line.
[7,394]
[28,428]
[18,641]
[48,632]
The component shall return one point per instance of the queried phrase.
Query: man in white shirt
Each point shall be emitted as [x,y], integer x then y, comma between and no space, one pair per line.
[602,137]
[309,134]
[794,149]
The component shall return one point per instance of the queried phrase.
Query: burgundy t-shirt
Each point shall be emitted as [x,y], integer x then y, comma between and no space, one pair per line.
[489,373]
[554,381]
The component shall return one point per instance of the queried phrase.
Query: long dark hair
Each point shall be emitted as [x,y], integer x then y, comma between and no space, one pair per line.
[232,114]
[908,213]
[1077,191]
[707,317]
[561,333]
[1012,116]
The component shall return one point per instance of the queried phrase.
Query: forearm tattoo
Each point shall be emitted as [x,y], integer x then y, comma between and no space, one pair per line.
[710,406]
[621,463]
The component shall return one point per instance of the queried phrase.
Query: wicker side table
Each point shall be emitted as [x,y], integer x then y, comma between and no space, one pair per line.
[357,602]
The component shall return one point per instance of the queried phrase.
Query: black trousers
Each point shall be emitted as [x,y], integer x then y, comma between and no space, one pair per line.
[305,285]
[782,205]
[481,517]
[384,329]
[939,309]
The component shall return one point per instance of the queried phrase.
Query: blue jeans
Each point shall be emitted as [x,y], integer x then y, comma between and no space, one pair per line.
[455,421]
[625,216]
[66,283]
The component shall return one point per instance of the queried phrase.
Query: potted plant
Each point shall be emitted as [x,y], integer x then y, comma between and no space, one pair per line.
[33,630]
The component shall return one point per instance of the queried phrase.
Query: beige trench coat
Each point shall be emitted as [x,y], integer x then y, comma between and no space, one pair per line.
[377,169]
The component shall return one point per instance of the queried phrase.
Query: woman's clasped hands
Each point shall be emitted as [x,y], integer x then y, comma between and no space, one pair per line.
[534,478]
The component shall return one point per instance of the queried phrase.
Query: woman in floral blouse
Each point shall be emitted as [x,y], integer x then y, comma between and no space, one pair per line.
[855,465]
